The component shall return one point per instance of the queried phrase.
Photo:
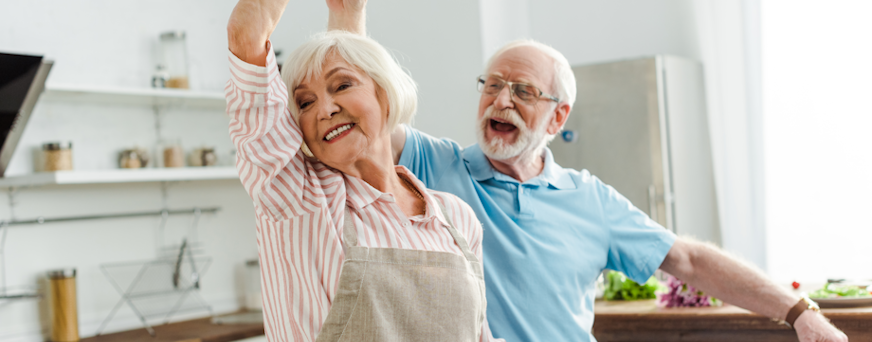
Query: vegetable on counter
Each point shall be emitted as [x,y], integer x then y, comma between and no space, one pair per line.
[619,287]
[831,290]
[681,294]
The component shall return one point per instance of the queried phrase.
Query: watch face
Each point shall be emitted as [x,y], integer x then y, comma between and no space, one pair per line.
[812,305]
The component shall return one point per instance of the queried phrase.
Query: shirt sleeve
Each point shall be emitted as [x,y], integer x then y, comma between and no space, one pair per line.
[428,157]
[276,174]
[637,244]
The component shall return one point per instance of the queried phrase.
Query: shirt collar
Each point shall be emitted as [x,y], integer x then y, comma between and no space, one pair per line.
[481,170]
[432,209]
[360,194]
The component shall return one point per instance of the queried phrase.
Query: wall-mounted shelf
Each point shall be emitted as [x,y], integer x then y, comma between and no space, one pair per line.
[120,176]
[134,96]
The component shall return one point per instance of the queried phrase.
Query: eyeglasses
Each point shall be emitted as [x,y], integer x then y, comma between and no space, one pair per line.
[493,85]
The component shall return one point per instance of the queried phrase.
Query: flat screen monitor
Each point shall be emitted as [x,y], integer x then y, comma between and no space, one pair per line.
[22,80]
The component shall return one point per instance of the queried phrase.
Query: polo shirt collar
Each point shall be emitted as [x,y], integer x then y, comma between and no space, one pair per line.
[555,175]
[481,170]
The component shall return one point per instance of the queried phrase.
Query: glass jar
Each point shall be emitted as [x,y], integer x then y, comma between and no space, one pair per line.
[57,156]
[173,155]
[134,158]
[65,320]
[174,59]
[203,157]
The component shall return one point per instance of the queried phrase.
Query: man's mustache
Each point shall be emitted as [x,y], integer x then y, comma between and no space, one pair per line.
[508,114]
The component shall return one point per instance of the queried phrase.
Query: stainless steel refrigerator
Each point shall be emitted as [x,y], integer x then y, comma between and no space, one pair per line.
[640,125]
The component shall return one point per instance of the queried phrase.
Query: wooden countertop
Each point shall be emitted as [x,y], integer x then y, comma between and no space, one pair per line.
[198,330]
[644,321]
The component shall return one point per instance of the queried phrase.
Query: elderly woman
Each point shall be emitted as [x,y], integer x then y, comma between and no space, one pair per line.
[351,247]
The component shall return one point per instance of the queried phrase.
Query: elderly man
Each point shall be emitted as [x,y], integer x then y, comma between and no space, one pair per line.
[550,231]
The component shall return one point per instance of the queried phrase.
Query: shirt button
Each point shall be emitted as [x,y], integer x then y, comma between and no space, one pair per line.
[406,224]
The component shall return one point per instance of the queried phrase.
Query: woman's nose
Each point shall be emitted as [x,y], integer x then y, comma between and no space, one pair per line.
[329,109]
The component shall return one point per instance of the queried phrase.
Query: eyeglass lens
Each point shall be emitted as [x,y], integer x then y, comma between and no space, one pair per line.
[492,86]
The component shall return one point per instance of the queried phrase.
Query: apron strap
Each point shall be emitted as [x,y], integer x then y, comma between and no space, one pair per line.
[349,231]
[459,239]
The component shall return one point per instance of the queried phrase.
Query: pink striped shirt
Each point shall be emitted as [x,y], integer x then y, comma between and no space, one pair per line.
[300,206]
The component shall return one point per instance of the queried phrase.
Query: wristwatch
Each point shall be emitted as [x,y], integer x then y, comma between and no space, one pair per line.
[804,303]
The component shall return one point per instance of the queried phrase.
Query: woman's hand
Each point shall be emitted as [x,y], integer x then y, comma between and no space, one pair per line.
[347,15]
[249,28]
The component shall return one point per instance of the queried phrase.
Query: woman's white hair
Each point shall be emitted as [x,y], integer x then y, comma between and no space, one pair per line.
[362,52]
[564,80]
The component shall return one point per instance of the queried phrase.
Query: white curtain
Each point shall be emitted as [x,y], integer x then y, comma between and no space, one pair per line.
[729,42]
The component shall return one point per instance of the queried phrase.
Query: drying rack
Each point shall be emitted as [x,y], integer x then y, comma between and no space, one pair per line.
[5,295]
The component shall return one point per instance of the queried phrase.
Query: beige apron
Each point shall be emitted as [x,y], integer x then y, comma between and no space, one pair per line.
[391,294]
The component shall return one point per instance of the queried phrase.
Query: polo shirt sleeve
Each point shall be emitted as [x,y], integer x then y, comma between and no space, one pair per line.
[637,244]
[428,157]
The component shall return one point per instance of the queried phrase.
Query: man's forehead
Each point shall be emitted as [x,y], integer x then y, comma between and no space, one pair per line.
[523,64]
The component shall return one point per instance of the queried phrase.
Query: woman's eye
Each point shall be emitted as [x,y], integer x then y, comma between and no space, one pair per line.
[342,86]
[305,104]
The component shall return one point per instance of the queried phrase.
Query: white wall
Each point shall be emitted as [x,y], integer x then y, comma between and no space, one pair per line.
[590,31]
[817,123]
[113,44]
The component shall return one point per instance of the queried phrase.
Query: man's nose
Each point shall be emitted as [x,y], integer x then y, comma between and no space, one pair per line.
[504,98]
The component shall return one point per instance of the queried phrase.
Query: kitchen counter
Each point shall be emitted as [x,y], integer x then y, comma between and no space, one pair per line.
[197,330]
[644,321]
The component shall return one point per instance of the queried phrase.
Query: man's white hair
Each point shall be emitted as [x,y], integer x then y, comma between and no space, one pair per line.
[362,52]
[564,80]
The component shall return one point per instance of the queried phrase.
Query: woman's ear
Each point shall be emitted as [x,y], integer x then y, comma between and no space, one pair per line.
[382,97]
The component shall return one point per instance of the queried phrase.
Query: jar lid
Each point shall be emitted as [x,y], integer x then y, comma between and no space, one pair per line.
[62,273]
[172,35]
[56,145]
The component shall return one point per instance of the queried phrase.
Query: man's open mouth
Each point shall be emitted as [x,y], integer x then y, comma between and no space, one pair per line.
[502,126]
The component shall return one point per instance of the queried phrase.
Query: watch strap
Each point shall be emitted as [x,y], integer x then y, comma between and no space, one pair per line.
[795,311]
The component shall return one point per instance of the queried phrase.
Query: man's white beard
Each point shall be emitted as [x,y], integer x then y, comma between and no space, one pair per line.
[529,142]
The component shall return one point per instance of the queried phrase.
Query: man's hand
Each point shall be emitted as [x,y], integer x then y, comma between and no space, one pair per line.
[813,327]
[347,15]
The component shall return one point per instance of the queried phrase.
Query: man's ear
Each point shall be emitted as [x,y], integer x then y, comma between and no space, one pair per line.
[561,114]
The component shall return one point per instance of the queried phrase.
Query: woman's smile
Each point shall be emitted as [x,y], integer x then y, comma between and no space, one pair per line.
[338,132]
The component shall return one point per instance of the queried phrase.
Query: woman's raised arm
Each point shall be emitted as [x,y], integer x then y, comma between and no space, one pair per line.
[250,26]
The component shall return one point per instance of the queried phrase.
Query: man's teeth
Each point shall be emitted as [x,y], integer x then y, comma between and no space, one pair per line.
[338,131]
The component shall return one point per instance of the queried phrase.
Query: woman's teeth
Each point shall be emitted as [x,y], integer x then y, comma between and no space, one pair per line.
[338,131]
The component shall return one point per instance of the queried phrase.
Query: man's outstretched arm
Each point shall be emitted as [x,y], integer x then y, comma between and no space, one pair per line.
[347,15]
[249,28]
[724,277]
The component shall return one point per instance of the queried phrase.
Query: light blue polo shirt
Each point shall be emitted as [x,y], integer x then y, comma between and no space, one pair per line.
[545,240]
